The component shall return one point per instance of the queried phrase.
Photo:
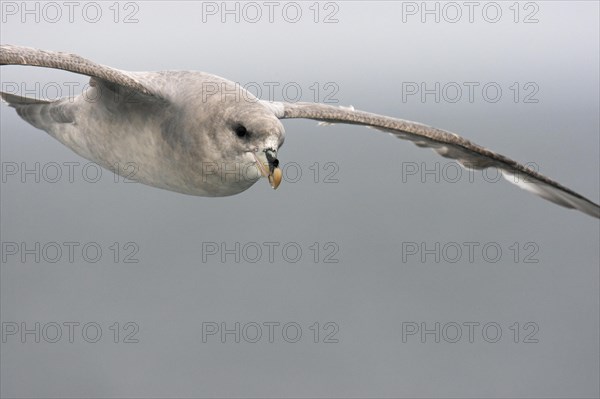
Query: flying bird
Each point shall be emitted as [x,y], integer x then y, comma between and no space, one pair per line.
[185,132]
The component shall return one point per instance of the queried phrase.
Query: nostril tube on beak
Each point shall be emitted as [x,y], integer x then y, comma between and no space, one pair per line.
[271,158]
[275,173]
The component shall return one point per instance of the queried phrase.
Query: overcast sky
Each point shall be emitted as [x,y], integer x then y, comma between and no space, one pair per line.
[368,242]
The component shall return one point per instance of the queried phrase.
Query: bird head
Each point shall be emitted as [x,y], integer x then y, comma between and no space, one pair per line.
[258,135]
[238,134]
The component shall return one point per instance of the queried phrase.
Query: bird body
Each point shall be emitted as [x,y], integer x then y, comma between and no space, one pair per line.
[200,134]
[152,139]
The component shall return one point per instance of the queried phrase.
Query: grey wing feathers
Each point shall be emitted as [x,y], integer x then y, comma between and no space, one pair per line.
[18,55]
[447,144]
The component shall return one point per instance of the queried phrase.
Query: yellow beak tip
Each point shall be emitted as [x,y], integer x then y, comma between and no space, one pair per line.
[275,178]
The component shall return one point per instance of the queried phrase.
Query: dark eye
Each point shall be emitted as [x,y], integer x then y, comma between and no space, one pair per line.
[241,131]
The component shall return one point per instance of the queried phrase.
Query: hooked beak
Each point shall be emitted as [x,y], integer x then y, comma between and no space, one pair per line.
[270,168]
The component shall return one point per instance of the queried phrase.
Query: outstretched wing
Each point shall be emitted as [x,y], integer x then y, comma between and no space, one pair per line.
[448,145]
[18,55]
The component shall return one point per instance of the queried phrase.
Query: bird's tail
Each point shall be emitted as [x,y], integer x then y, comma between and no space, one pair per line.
[42,114]
[15,101]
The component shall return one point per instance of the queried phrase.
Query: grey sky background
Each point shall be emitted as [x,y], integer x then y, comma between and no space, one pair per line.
[370,217]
